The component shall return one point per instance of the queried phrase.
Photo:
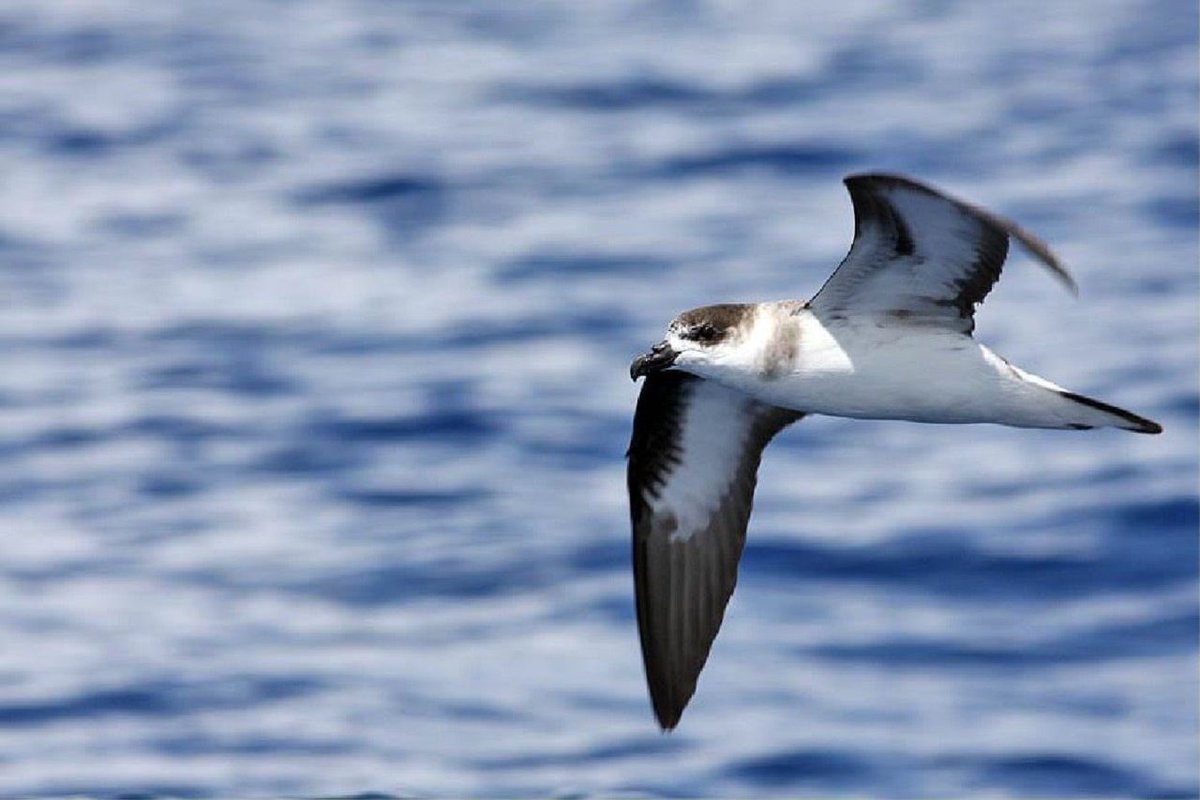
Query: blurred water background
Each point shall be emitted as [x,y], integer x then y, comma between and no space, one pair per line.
[315,333]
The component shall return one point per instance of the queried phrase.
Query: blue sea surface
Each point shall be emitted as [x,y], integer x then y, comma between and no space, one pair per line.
[316,319]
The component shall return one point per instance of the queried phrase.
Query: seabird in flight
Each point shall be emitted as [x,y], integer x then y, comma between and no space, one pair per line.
[887,337]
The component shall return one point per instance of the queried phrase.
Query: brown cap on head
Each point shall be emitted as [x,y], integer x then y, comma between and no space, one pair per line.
[710,324]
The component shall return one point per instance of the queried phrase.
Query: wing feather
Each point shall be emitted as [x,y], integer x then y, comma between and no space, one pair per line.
[921,256]
[693,461]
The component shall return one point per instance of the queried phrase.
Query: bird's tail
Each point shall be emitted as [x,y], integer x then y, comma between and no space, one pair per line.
[1092,413]
[1058,408]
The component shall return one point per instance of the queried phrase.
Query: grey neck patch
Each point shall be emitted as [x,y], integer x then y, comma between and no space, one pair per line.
[782,348]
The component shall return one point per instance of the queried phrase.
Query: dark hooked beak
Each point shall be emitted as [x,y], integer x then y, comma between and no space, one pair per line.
[659,358]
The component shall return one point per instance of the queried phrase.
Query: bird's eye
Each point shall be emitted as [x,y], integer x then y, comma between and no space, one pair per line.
[703,333]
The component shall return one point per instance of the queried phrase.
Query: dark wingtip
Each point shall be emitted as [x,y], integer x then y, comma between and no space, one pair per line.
[667,711]
[666,697]
[668,718]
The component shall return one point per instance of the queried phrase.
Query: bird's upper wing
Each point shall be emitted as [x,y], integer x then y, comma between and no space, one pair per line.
[693,461]
[921,256]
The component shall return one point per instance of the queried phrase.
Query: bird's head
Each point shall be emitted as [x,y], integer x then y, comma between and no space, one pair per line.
[699,341]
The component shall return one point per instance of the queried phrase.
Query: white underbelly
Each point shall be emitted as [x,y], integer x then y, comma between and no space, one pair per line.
[934,379]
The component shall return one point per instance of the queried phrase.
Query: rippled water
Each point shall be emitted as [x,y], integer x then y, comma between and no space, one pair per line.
[316,324]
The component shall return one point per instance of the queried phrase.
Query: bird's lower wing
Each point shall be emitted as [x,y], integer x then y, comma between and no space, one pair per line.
[693,461]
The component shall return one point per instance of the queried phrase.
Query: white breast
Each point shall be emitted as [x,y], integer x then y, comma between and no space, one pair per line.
[870,369]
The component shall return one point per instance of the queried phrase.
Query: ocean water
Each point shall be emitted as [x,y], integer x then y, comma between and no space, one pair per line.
[316,320]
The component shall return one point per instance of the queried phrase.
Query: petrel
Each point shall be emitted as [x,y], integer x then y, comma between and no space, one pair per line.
[887,337]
